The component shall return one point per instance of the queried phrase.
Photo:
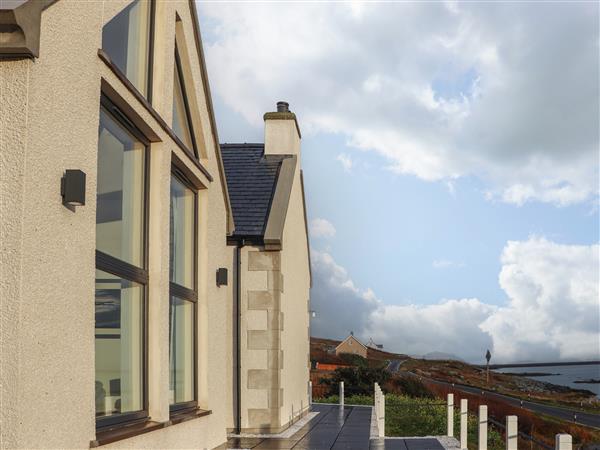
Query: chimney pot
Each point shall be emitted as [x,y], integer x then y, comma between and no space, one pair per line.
[283,107]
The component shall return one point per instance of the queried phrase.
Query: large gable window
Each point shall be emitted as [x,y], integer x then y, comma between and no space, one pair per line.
[183,295]
[126,40]
[182,118]
[121,274]
[182,309]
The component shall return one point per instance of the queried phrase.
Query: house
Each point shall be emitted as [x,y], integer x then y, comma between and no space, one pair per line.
[372,344]
[119,281]
[351,345]
[273,274]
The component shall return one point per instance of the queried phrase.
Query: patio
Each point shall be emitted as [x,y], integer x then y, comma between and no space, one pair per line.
[334,428]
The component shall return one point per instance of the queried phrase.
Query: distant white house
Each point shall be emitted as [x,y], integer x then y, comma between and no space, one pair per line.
[372,344]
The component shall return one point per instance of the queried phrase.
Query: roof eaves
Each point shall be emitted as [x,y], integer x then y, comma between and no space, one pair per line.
[211,115]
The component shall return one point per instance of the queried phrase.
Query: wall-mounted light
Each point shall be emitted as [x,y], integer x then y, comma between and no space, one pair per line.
[313,314]
[221,277]
[72,188]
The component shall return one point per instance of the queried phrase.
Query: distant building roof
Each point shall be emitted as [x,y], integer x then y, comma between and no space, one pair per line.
[372,344]
[251,181]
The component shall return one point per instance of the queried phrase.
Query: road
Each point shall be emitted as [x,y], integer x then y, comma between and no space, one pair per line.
[582,418]
[394,365]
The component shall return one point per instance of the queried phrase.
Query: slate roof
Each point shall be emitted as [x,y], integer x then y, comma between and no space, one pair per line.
[251,180]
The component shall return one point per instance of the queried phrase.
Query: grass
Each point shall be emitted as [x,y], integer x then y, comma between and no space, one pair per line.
[409,416]
[351,400]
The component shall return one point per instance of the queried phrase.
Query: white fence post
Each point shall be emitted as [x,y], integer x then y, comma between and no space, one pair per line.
[450,415]
[483,426]
[381,424]
[563,442]
[512,433]
[310,392]
[464,411]
[341,393]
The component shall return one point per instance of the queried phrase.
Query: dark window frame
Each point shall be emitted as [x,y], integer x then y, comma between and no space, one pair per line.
[122,269]
[150,77]
[186,105]
[191,295]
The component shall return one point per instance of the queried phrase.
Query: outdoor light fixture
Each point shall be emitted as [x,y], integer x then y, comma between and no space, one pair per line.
[313,314]
[221,277]
[72,188]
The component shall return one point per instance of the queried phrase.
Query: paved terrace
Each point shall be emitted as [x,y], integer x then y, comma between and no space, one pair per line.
[332,429]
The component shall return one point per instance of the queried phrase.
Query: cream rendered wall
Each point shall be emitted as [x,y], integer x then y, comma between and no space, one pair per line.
[351,345]
[295,307]
[49,123]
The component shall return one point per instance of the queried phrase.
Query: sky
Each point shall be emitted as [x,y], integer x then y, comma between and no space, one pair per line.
[451,160]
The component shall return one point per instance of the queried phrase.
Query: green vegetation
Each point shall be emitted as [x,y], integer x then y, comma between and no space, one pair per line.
[410,386]
[352,400]
[410,416]
[354,360]
[357,380]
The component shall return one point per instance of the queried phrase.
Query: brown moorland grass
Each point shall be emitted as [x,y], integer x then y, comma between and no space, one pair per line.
[542,428]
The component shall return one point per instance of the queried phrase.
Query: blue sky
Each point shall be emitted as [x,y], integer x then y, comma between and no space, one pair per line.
[406,224]
[450,153]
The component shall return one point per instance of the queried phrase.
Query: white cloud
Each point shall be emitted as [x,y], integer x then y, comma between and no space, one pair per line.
[447,264]
[554,303]
[440,90]
[321,228]
[346,162]
[552,309]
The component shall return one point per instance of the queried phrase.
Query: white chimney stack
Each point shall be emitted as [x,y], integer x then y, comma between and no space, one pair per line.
[282,134]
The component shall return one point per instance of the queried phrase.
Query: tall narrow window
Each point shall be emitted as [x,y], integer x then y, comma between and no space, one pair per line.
[182,306]
[126,39]
[182,119]
[121,275]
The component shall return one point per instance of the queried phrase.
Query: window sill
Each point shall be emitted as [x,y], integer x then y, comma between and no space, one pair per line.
[125,432]
[184,416]
[129,431]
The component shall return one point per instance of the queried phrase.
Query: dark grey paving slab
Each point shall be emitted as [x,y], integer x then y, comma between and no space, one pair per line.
[276,444]
[388,444]
[357,445]
[423,444]
[241,443]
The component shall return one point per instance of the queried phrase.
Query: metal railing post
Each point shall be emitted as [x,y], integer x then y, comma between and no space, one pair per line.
[341,393]
[563,442]
[464,411]
[450,415]
[512,433]
[483,426]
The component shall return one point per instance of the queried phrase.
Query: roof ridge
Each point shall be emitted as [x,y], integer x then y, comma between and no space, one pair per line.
[244,144]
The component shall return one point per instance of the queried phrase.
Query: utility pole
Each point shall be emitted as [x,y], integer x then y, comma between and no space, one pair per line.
[488,356]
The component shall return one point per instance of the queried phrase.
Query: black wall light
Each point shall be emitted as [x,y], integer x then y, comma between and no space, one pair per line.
[72,188]
[221,277]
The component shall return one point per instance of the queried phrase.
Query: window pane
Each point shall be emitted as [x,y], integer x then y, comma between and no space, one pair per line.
[181,126]
[119,340]
[120,192]
[181,354]
[182,234]
[126,40]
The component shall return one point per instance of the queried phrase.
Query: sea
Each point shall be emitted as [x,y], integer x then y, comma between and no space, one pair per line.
[564,375]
